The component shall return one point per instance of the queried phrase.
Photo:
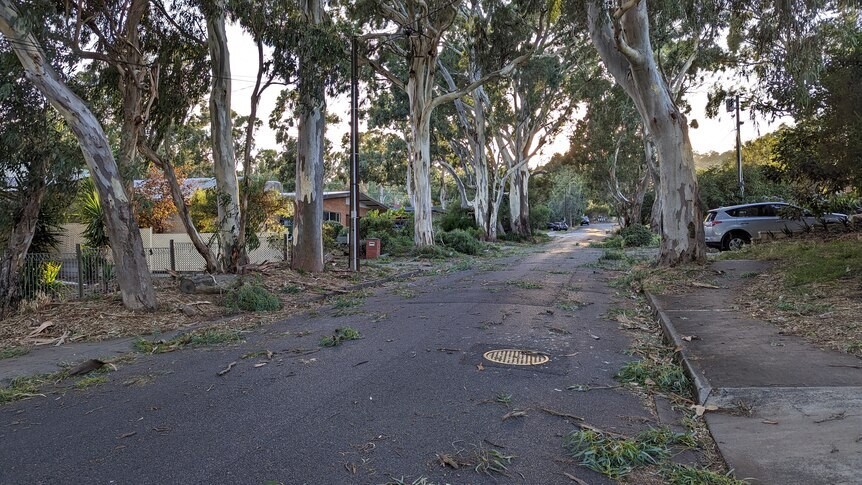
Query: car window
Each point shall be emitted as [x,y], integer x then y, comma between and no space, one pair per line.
[752,211]
[768,211]
[710,216]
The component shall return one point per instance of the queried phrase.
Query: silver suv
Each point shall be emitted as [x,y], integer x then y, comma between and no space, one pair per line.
[732,227]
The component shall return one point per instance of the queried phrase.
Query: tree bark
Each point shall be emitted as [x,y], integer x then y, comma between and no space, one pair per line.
[419,90]
[628,55]
[23,230]
[308,219]
[133,275]
[224,159]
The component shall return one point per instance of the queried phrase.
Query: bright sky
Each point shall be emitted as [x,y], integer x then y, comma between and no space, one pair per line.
[715,134]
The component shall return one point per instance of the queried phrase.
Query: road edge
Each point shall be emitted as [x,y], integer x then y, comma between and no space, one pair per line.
[703,388]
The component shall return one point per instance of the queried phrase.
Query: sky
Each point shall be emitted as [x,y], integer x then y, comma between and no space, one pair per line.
[716,134]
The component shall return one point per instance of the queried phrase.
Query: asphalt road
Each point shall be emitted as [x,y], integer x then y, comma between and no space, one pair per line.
[415,387]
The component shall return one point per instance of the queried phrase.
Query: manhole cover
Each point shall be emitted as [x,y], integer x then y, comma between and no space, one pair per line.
[516,357]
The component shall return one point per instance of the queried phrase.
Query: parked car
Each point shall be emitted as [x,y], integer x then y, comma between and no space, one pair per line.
[558,226]
[585,221]
[733,227]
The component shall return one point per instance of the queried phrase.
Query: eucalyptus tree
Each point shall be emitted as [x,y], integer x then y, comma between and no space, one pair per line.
[156,61]
[422,26]
[40,159]
[610,149]
[221,129]
[622,39]
[134,277]
[542,96]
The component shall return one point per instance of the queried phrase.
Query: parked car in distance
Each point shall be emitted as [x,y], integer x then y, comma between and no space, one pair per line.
[732,227]
[558,226]
[585,221]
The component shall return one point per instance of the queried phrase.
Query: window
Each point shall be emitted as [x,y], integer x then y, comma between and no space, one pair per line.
[332,216]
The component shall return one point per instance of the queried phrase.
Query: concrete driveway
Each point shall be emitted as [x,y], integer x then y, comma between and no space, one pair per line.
[385,407]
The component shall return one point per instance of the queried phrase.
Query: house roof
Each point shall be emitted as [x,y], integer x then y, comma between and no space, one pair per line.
[364,199]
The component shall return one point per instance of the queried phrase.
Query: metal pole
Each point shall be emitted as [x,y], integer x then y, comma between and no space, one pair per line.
[173,255]
[739,153]
[354,157]
[80,271]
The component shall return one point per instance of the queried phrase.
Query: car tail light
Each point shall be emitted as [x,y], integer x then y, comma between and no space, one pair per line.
[712,223]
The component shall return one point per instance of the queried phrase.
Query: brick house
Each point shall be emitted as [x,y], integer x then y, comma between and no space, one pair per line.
[336,205]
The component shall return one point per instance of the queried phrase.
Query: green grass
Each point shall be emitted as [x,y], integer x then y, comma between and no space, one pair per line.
[91,381]
[570,305]
[195,339]
[492,461]
[252,298]
[290,289]
[803,308]
[11,352]
[667,376]
[504,399]
[808,262]
[339,336]
[616,457]
[677,474]
[24,387]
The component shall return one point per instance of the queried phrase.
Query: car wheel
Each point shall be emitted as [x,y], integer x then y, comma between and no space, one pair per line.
[736,240]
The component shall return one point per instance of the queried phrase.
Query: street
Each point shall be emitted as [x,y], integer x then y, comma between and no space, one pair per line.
[385,407]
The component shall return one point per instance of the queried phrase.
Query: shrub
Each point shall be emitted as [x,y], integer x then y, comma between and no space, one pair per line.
[457,218]
[330,233]
[430,252]
[461,241]
[636,235]
[540,216]
[393,228]
[252,298]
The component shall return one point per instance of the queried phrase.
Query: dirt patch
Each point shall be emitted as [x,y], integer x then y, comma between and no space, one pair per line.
[45,322]
[828,315]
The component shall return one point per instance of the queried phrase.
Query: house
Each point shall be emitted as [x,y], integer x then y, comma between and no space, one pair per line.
[336,205]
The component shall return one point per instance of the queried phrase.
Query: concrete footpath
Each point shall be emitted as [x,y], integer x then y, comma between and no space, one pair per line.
[789,413]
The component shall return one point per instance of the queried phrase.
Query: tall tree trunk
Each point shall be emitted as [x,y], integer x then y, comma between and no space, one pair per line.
[308,225]
[627,53]
[443,202]
[419,89]
[519,201]
[133,276]
[224,160]
[130,81]
[23,230]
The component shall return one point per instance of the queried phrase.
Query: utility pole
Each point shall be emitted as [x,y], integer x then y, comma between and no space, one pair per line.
[353,240]
[740,179]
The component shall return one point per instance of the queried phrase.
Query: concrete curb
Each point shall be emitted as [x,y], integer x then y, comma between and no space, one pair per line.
[701,383]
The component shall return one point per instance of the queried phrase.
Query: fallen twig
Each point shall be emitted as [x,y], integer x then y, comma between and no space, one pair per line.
[226,369]
[575,479]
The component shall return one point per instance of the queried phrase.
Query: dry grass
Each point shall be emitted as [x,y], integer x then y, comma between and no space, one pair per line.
[827,315]
[104,317]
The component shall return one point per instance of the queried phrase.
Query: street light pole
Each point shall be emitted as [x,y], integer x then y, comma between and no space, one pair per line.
[353,241]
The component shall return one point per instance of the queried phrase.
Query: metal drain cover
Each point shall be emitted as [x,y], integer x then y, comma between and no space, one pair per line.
[516,357]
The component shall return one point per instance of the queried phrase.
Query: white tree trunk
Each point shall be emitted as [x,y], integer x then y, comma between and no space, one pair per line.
[419,90]
[133,275]
[224,159]
[519,201]
[628,55]
[308,219]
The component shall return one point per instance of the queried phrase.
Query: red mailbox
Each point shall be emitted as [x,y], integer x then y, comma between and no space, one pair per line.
[372,248]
